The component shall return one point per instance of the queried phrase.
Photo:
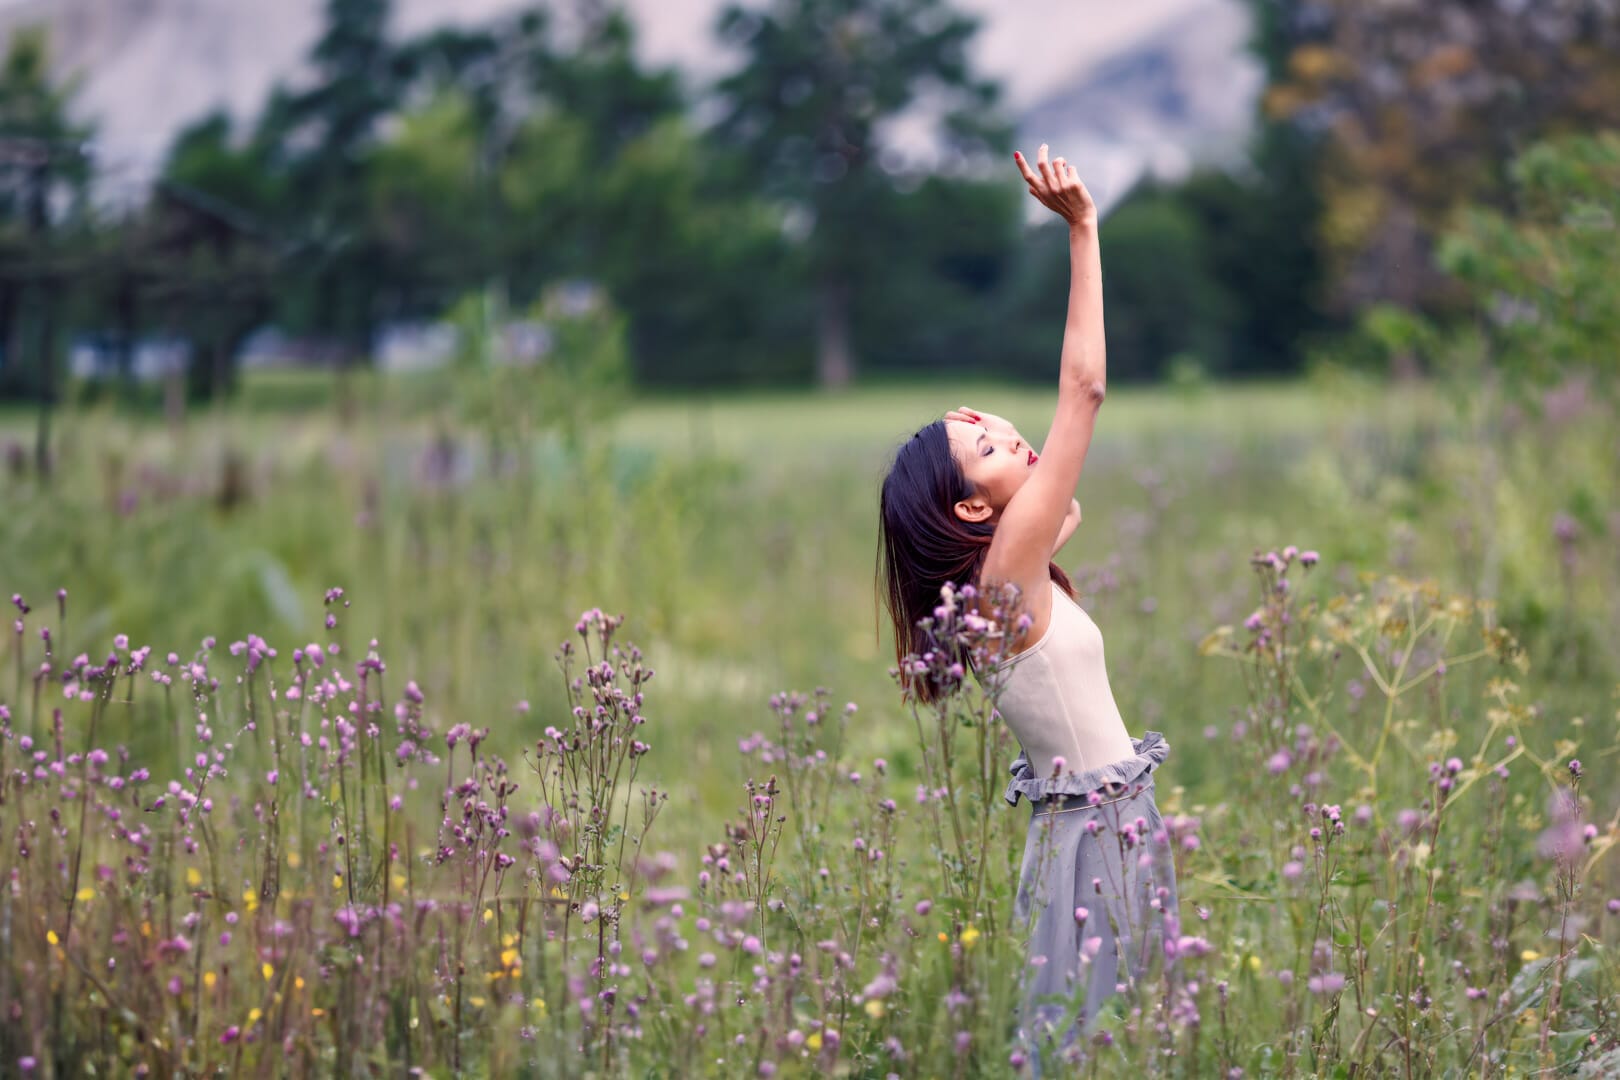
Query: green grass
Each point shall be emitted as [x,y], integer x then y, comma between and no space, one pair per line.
[737,533]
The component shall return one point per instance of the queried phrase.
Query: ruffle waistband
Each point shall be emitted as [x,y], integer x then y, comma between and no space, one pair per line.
[1151,750]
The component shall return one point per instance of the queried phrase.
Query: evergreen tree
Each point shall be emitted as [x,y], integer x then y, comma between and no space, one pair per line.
[44,166]
[322,140]
[805,112]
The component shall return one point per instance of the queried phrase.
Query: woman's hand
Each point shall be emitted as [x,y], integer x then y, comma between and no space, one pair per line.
[988,421]
[1057,185]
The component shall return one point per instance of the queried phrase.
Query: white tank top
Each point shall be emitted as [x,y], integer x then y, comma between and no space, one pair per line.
[1056,698]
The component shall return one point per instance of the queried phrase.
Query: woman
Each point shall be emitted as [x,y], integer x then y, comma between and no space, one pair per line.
[969,500]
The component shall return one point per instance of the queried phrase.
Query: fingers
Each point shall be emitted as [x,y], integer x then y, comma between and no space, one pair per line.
[1029,175]
[1045,167]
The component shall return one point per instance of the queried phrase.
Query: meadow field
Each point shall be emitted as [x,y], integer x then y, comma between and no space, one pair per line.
[356,770]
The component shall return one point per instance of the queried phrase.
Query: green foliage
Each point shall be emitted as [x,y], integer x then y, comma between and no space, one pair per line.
[1420,109]
[803,115]
[44,212]
[1161,297]
[1542,277]
[1536,279]
[787,241]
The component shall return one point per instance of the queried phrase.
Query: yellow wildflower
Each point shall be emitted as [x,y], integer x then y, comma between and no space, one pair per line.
[209,979]
[476,1002]
[268,971]
[969,936]
[337,881]
[86,893]
[50,936]
[253,1016]
[874,1007]
[813,1040]
[293,860]
[193,876]
[1529,955]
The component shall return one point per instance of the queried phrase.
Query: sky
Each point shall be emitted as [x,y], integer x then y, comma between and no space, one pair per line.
[1032,46]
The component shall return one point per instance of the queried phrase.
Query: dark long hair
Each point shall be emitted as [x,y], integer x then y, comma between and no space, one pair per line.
[922,544]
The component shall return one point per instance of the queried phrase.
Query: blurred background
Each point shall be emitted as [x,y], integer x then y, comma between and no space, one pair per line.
[490,311]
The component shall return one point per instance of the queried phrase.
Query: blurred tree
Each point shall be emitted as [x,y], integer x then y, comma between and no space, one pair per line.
[1162,298]
[44,212]
[604,178]
[1422,107]
[429,204]
[1260,250]
[952,250]
[819,80]
[321,140]
[1540,277]
[204,260]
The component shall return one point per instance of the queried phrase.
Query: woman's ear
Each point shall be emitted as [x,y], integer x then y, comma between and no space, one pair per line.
[973,510]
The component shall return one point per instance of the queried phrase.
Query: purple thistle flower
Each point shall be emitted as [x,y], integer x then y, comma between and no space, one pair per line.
[1327,983]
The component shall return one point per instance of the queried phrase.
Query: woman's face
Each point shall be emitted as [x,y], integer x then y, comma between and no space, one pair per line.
[996,460]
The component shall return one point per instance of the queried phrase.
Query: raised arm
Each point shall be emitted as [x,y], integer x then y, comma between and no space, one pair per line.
[1070,521]
[1031,523]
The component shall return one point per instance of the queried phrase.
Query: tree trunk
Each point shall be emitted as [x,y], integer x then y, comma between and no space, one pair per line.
[835,359]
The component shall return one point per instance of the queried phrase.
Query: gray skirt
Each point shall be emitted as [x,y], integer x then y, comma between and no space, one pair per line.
[1096,891]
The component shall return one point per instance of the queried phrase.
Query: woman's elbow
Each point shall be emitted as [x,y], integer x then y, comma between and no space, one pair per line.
[1088,389]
